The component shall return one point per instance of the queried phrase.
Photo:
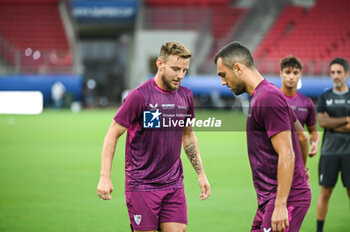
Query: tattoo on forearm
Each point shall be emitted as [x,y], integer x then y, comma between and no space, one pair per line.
[190,150]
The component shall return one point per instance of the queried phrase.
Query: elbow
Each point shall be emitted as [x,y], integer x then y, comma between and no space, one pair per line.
[287,160]
[303,138]
[291,156]
[322,124]
[111,138]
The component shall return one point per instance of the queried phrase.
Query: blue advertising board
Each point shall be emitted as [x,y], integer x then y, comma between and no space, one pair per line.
[105,11]
[43,83]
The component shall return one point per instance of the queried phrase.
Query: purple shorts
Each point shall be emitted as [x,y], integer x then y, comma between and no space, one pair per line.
[147,210]
[262,220]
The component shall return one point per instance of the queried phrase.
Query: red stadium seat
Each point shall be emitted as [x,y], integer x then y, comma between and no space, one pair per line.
[315,35]
[36,25]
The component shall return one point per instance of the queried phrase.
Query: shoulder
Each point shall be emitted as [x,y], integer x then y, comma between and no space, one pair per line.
[145,85]
[135,96]
[326,93]
[185,91]
[304,98]
[271,96]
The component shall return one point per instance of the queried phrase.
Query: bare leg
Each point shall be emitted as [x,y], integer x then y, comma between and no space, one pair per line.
[322,205]
[173,227]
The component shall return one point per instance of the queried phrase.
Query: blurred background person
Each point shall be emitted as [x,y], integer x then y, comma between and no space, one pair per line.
[333,113]
[303,107]
[57,93]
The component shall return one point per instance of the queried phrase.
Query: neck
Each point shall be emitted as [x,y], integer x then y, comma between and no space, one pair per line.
[158,80]
[252,81]
[340,89]
[289,92]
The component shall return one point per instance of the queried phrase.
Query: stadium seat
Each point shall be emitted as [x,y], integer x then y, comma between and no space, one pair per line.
[35,30]
[315,35]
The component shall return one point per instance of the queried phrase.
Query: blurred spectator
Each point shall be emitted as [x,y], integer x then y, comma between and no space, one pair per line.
[57,93]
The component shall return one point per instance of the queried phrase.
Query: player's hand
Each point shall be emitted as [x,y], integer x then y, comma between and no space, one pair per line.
[279,219]
[105,188]
[204,185]
[313,150]
[307,173]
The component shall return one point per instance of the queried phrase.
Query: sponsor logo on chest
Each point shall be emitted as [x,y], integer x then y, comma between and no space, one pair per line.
[339,101]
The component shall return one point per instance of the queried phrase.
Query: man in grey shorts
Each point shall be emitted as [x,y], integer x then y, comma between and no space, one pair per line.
[333,113]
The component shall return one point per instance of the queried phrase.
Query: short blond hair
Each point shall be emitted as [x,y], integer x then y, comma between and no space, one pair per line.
[174,48]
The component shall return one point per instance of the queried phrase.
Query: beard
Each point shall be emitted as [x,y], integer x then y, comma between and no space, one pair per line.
[338,85]
[240,88]
[167,83]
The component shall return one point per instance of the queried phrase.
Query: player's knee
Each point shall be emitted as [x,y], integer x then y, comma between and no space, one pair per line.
[326,193]
[182,228]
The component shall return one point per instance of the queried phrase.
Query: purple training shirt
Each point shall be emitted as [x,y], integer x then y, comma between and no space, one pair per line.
[270,114]
[303,108]
[152,155]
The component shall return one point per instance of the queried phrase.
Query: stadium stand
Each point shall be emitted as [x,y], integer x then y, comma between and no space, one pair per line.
[217,16]
[315,35]
[35,30]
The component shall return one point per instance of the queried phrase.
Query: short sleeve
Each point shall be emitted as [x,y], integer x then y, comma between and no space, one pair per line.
[131,109]
[275,114]
[191,105]
[311,117]
[321,105]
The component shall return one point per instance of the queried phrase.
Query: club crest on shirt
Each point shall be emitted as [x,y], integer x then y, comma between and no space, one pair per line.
[137,219]
[155,106]
[267,230]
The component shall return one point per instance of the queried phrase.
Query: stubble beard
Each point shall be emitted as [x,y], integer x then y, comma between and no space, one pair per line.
[240,89]
[168,85]
[338,85]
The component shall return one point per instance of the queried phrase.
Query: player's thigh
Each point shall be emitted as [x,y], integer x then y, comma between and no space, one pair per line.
[328,169]
[345,170]
[174,207]
[296,215]
[143,209]
[173,227]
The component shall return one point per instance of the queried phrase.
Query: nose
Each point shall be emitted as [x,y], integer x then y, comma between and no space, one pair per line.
[291,77]
[181,74]
[223,82]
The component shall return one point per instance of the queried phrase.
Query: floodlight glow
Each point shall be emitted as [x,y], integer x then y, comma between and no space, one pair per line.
[36,55]
[28,51]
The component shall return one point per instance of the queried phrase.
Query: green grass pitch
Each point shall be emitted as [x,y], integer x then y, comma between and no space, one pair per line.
[49,169]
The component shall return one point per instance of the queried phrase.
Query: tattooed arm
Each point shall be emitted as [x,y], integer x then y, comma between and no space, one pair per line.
[190,145]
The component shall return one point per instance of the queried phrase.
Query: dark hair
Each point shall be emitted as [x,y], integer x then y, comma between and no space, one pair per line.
[235,52]
[291,62]
[342,62]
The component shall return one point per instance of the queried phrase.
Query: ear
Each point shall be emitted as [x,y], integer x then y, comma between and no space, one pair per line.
[159,63]
[238,68]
